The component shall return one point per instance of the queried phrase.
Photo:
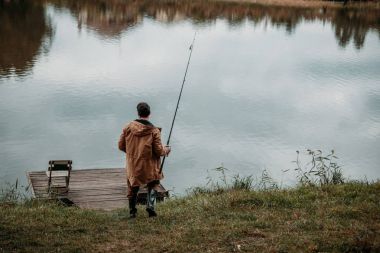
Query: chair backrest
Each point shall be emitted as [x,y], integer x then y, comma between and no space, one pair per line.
[55,165]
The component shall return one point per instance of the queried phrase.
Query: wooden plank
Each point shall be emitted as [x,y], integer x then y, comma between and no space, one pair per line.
[97,199]
[104,202]
[57,173]
[30,184]
[103,194]
[94,170]
[102,177]
[79,176]
[99,196]
[76,177]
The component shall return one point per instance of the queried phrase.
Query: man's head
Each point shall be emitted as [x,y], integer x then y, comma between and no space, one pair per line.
[143,110]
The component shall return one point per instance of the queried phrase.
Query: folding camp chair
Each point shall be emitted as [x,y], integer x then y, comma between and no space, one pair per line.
[59,176]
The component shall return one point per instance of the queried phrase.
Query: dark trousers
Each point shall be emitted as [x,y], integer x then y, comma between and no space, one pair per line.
[151,195]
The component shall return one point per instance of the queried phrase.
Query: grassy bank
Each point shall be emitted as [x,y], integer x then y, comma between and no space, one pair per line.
[330,218]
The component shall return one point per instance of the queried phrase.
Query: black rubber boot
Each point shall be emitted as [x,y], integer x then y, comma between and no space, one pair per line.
[132,208]
[133,202]
[151,212]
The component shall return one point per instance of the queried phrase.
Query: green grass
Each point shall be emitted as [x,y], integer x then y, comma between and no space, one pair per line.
[329,218]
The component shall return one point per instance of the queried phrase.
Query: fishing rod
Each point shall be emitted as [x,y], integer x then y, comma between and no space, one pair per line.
[179,98]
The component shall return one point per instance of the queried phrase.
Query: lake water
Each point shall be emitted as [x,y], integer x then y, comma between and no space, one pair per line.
[263,82]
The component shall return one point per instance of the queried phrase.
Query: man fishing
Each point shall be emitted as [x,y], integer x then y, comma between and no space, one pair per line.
[141,141]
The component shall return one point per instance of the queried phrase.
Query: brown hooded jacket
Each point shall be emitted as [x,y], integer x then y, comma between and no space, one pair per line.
[143,148]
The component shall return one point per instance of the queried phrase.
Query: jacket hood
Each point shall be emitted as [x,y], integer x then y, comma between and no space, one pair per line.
[139,129]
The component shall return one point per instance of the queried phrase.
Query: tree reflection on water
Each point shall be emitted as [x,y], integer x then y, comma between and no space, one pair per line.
[25,32]
[112,17]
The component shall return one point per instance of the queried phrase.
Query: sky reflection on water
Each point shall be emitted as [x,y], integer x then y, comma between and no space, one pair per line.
[255,94]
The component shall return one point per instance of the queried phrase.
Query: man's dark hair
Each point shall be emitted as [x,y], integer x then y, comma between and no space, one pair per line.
[143,109]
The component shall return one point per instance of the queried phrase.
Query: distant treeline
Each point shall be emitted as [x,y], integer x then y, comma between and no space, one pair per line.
[111,17]
[29,31]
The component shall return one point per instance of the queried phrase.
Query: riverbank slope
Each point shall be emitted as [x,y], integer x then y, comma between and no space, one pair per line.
[332,218]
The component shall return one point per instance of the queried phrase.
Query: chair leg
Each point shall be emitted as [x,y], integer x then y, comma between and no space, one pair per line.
[49,183]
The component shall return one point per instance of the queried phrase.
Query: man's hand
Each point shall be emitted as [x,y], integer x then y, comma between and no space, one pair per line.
[167,150]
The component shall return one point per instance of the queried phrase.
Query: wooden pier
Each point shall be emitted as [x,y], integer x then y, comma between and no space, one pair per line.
[104,189]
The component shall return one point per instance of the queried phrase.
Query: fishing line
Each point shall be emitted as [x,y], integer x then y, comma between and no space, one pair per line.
[179,98]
